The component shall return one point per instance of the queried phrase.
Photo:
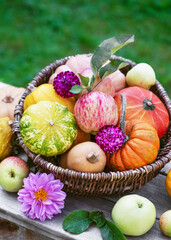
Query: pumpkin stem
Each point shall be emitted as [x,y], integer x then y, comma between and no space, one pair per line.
[8,99]
[93,157]
[123,115]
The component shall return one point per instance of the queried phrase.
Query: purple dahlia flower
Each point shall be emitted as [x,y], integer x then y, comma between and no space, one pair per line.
[110,138]
[63,83]
[41,196]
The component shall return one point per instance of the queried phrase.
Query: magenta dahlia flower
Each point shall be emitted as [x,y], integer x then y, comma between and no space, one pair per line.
[41,196]
[63,83]
[110,138]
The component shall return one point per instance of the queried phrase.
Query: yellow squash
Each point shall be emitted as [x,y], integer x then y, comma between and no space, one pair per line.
[6,137]
[46,92]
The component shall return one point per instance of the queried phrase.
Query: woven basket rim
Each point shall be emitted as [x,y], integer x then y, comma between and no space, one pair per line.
[164,155]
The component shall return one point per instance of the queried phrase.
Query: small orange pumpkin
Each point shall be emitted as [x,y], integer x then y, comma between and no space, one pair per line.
[140,147]
[9,98]
[168,183]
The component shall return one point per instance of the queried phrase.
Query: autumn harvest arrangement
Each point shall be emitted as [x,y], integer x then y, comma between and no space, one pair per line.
[93,124]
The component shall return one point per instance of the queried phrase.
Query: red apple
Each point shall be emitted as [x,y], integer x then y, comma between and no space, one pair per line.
[12,172]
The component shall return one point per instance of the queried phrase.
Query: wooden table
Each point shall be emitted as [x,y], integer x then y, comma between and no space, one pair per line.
[52,229]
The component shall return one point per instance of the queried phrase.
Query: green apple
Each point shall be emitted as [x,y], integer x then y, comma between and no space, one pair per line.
[142,75]
[134,215]
[12,172]
[165,223]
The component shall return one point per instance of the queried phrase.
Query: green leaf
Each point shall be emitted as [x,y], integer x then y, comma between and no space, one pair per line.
[110,232]
[98,217]
[76,89]
[77,221]
[109,68]
[107,48]
[92,81]
[84,80]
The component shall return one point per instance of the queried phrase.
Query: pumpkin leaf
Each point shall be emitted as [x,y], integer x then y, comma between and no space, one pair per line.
[84,80]
[109,68]
[76,89]
[98,217]
[107,48]
[110,232]
[77,221]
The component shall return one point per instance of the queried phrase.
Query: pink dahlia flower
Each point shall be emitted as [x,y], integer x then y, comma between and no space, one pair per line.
[41,197]
[110,138]
[63,83]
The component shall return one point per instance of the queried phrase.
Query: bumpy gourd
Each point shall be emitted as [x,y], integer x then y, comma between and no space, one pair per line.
[6,137]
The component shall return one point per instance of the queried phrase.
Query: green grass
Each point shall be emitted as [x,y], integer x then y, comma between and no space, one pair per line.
[36,33]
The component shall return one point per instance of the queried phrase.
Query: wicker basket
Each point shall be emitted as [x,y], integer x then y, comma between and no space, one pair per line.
[95,184]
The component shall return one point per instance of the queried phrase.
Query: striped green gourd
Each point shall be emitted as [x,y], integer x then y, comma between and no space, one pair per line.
[48,128]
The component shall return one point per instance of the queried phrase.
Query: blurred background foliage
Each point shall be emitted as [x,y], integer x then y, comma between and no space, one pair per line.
[35,33]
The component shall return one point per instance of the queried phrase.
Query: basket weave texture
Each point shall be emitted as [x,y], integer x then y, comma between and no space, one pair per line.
[95,184]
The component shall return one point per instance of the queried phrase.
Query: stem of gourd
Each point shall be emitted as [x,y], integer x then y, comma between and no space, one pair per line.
[93,157]
[123,115]
[8,99]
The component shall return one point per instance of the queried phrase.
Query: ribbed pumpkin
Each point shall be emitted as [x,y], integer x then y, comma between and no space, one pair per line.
[144,105]
[140,149]
[48,128]
[46,92]
[140,146]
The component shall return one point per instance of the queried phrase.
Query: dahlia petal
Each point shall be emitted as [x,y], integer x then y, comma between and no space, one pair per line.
[25,207]
[47,202]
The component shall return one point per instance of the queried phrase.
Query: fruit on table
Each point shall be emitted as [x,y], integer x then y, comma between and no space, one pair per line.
[6,138]
[141,75]
[141,147]
[9,98]
[134,215]
[165,223]
[46,92]
[144,105]
[12,172]
[48,128]
[94,110]
[84,157]
[168,183]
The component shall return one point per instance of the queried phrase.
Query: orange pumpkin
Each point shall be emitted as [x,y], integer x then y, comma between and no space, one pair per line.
[9,98]
[140,149]
[168,183]
[140,146]
[144,105]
